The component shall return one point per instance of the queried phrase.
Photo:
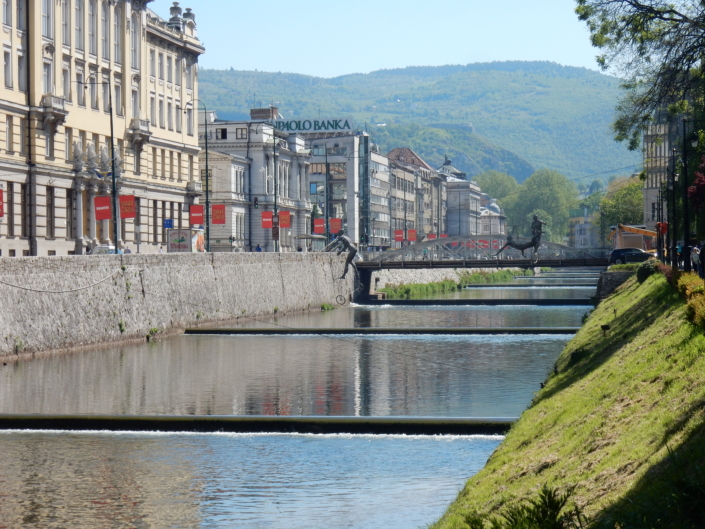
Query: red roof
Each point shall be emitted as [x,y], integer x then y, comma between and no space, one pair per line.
[406,155]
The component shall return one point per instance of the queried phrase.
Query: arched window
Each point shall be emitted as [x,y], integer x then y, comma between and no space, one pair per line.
[93,27]
[135,42]
[117,29]
[80,24]
[105,29]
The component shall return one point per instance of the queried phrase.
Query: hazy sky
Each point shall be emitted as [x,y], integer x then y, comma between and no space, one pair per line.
[328,38]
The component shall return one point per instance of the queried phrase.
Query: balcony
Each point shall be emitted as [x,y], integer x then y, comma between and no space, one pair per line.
[194,188]
[139,133]
[53,111]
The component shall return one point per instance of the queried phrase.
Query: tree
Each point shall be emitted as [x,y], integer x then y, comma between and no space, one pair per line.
[551,192]
[656,46]
[596,186]
[497,185]
[624,206]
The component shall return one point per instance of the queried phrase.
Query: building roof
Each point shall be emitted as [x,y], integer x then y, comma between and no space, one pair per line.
[447,168]
[407,156]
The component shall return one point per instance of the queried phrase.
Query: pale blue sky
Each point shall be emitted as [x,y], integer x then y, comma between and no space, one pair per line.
[328,38]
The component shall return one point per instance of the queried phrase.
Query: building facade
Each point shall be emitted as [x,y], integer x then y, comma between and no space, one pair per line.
[464,210]
[78,72]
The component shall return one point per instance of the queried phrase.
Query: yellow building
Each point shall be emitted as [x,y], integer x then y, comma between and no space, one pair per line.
[64,60]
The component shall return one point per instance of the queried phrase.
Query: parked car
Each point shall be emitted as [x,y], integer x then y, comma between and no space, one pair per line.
[104,249]
[628,255]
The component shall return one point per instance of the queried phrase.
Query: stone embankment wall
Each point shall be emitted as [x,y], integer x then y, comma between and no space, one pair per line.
[113,298]
[610,281]
[380,278]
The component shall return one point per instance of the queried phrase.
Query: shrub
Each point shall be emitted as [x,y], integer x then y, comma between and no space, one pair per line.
[629,267]
[689,284]
[669,274]
[646,270]
[696,310]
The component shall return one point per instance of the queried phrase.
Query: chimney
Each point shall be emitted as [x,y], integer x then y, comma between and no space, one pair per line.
[258,114]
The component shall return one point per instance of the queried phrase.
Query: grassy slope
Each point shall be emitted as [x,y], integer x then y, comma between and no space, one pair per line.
[608,421]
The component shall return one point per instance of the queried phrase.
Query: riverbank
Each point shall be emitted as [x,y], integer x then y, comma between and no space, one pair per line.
[52,304]
[621,419]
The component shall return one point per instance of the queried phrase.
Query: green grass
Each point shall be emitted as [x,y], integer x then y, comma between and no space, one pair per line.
[419,290]
[500,276]
[622,419]
[629,267]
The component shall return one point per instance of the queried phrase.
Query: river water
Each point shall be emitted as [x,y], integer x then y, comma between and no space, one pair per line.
[82,479]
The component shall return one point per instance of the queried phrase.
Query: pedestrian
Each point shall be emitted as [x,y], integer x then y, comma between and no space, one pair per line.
[695,259]
[258,249]
[161,250]
[299,249]
[127,249]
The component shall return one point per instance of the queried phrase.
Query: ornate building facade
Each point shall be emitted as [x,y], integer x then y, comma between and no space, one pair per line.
[78,72]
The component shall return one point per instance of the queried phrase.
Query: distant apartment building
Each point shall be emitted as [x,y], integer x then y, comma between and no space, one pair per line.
[69,67]
[583,228]
[660,138]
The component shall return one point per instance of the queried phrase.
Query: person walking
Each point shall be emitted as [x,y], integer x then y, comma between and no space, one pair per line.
[258,249]
[695,259]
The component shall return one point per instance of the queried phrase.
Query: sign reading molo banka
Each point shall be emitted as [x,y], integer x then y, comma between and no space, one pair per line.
[314,125]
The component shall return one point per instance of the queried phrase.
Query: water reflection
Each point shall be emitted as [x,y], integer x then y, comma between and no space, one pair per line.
[302,375]
[227,480]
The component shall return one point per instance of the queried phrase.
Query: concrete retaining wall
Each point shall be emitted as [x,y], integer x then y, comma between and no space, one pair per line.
[129,295]
[610,281]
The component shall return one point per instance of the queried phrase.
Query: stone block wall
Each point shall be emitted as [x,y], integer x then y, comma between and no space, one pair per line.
[75,301]
[610,281]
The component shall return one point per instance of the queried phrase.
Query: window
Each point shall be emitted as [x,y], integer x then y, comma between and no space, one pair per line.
[161,113]
[221,134]
[10,209]
[152,111]
[68,143]
[135,104]
[7,68]
[178,117]
[178,166]
[189,121]
[69,213]
[171,165]
[7,12]
[106,93]
[22,71]
[169,117]
[190,167]
[138,160]
[9,135]
[48,142]
[47,78]
[163,166]
[161,66]
[177,72]
[117,30]
[135,42]
[154,162]
[93,88]
[105,29]
[23,135]
[117,104]
[21,10]
[168,70]
[66,80]
[80,89]
[65,22]
[93,27]
[241,134]
[152,63]
[189,77]
[51,219]
[80,16]
[47,22]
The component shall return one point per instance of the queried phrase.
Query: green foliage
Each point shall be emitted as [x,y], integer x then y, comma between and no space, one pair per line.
[419,290]
[628,267]
[543,113]
[122,326]
[500,276]
[624,206]
[326,307]
[646,270]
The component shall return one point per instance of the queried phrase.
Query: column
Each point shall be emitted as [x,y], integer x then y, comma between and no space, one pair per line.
[92,192]
[78,210]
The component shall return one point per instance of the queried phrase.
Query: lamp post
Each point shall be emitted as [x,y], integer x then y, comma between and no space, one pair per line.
[208,204]
[672,225]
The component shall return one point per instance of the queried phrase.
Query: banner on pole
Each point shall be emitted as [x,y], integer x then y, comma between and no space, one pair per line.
[285,219]
[411,235]
[218,214]
[103,211]
[431,236]
[336,225]
[319,226]
[127,207]
[444,235]
[266,219]
[398,235]
[196,214]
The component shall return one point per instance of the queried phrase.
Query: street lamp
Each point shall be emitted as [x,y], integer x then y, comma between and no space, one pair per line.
[208,204]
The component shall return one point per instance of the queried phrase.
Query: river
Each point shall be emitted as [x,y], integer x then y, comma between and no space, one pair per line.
[60,479]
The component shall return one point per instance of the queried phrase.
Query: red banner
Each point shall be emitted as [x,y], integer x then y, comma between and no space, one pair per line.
[495,244]
[127,207]
[336,225]
[2,204]
[483,244]
[411,235]
[431,236]
[444,235]
[319,226]
[218,214]
[285,219]
[103,211]
[196,214]
[398,235]
[266,219]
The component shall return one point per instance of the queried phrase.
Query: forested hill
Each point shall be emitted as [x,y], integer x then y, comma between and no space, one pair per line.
[508,116]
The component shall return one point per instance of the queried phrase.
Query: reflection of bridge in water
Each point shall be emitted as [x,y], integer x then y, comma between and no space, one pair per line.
[475,251]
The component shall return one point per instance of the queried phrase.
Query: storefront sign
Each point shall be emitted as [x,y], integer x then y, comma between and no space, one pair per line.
[444,235]
[127,207]
[196,214]
[285,219]
[314,125]
[319,226]
[431,236]
[398,235]
[411,235]
[336,225]
[103,211]
[218,214]
[266,219]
